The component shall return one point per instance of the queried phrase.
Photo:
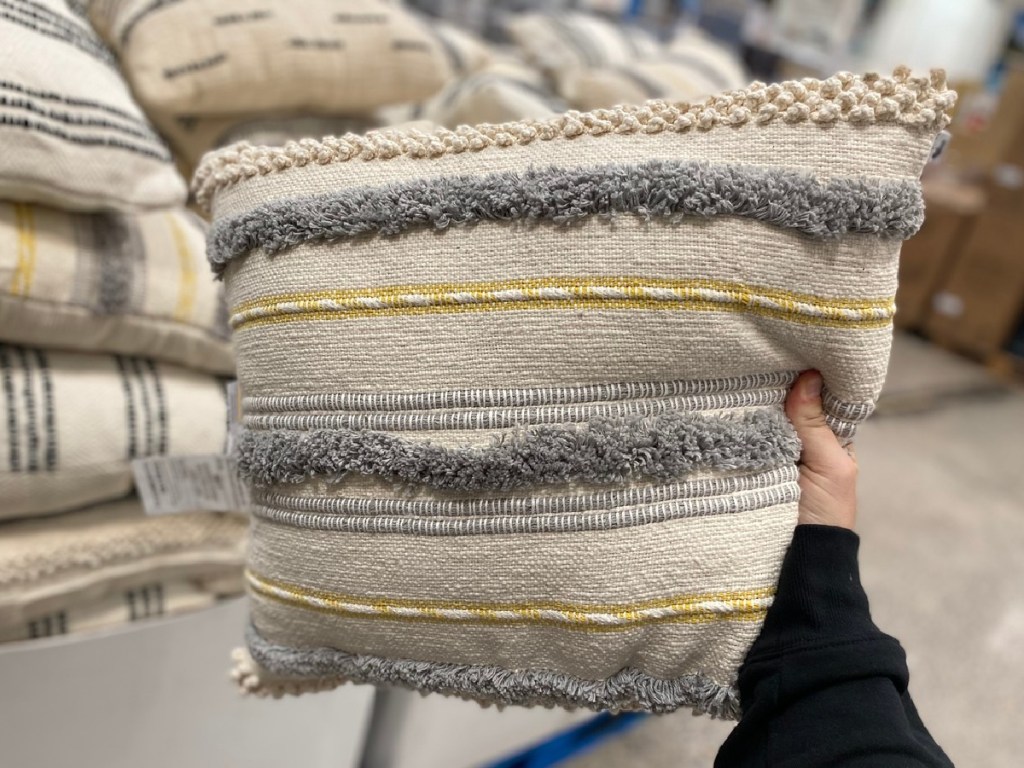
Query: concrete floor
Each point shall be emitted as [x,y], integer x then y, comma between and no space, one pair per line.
[942,558]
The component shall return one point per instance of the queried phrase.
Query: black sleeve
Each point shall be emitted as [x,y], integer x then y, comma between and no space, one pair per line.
[822,685]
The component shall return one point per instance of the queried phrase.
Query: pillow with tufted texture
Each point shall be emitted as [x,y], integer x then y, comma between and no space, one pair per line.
[110,565]
[513,393]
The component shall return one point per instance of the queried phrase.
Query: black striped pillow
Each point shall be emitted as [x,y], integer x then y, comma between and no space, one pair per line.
[70,132]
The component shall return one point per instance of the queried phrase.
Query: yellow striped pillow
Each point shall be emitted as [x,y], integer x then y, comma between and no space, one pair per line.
[513,393]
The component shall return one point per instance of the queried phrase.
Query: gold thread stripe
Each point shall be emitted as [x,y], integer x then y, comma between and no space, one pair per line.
[187,289]
[565,293]
[749,605]
[21,281]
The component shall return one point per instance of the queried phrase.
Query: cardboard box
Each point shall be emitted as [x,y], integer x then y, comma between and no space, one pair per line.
[980,301]
[987,128]
[926,259]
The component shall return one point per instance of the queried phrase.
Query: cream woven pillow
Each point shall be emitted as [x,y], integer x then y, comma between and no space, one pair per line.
[503,91]
[70,132]
[603,87]
[513,394]
[111,565]
[564,41]
[111,282]
[71,423]
[217,57]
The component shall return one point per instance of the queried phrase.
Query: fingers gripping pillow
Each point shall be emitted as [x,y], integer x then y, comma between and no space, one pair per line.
[513,393]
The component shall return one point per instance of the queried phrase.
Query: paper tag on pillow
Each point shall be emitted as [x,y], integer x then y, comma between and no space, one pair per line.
[234,400]
[939,145]
[169,484]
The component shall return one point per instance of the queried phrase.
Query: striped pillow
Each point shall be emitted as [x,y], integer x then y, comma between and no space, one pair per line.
[503,91]
[111,565]
[111,282]
[201,59]
[70,132]
[559,42]
[590,89]
[707,59]
[71,423]
[513,394]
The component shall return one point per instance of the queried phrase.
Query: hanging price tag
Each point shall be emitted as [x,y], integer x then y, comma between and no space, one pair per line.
[169,484]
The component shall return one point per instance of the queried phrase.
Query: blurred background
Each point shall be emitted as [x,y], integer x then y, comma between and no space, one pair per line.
[118,626]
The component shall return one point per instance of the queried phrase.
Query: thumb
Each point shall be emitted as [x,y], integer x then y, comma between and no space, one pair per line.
[804,409]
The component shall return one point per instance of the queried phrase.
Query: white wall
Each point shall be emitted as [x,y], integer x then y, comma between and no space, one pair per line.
[964,37]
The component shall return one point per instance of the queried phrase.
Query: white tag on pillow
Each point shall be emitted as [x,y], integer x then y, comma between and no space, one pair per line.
[170,484]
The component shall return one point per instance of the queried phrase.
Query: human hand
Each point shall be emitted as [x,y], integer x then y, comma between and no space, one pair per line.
[828,472]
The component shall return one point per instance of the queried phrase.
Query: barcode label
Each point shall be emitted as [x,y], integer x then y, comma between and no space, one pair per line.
[169,484]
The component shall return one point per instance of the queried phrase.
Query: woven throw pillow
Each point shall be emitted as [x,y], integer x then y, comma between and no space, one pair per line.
[70,132]
[713,62]
[559,42]
[514,394]
[505,90]
[111,565]
[71,423]
[210,57]
[111,282]
[601,87]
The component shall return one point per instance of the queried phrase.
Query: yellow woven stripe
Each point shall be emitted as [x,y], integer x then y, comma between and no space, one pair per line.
[430,289]
[21,281]
[187,289]
[748,605]
[645,304]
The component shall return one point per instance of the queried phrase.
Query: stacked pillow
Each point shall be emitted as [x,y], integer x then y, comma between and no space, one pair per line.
[113,337]
[503,90]
[111,565]
[196,66]
[513,408]
[596,64]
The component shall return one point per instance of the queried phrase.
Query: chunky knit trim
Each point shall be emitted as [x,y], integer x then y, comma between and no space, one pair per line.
[922,103]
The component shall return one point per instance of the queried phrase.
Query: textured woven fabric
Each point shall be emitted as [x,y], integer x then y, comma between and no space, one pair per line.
[194,58]
[694,67]
[564,41]
[70,132]
[111,282]
[514,394]
[111,564]
[70,424]
[504,90]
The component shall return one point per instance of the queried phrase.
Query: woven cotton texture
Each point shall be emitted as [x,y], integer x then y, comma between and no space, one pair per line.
[191,62]
[71,423]
[71,134]
[111,282]
[110,565]
[514,394]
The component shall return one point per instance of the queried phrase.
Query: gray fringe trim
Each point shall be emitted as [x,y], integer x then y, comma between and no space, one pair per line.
[626,690]
[603,451]
[662,189]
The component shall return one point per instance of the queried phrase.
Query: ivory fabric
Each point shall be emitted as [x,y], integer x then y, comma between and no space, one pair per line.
[504,90]
[557,42]
[110,565]
[71,134]
[132,284]
[71,424]
[513,394]
[210,57]
[691,68]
